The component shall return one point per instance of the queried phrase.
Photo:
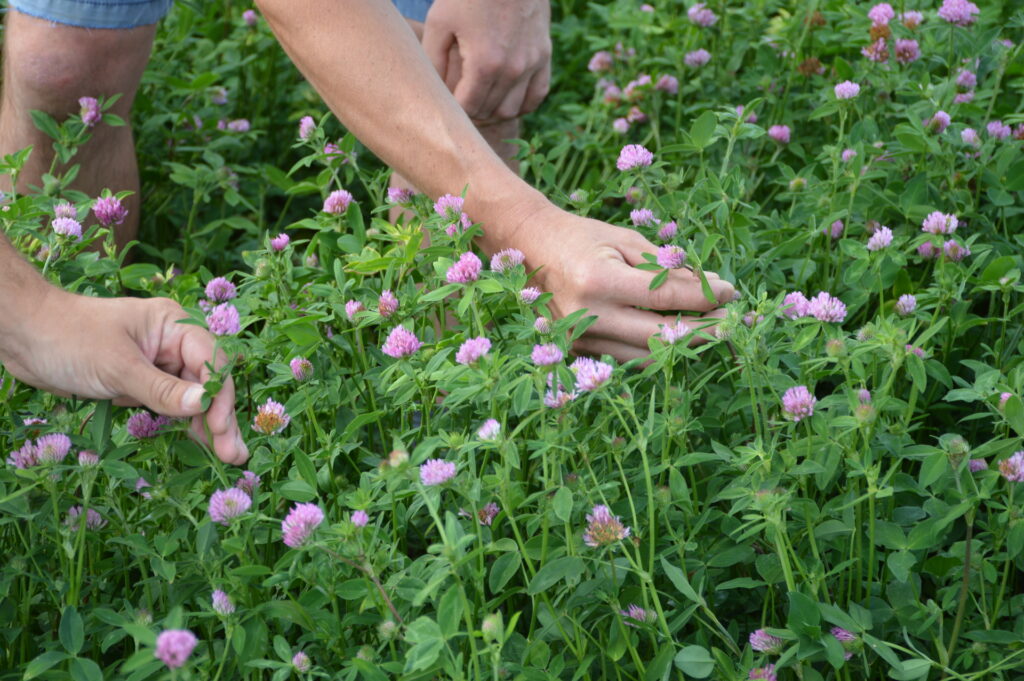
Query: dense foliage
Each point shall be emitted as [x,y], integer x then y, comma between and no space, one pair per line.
[826,489]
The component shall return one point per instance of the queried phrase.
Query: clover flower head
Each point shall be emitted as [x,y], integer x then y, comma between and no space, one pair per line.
[826,308]
[507,260]
[763,642]
[697,58]
[223,320]
[228,504]
[299,524]
[603,528]
[847,90]
[465,270]
[93,520]
[387,304]
[882,238]
[590,374]
[798,403]
[337,202]
[546,354]
[472,350]
[401,343]
[248,483]
[173,647]
[436,472]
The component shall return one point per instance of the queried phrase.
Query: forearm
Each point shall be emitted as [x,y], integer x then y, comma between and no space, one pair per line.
[22,292]
[367,65]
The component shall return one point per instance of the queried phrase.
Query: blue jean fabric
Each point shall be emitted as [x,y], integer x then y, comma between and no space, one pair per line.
[414,9]
[96,13]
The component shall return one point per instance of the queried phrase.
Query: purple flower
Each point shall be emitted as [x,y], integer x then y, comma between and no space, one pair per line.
[507,260]
[911,19]
[306,127]
[65,210]
[601,61]
[1012,468]
[939,223]
[299,524]
[472,350]
[963,98]
[590,374]
[142,484]
[109,210]
[302,368]
[846,638]
[970,137]
[966,79]
[915,350]
[529,295]
[354,306]
[881,14]
[1003,399]
[489,431]
[219,96]
[763,642]
[767,673]
[228,504]
[271,418]
[239,125]
[485,516]
[467,269]
[927,250]
[998,130]
[826,308]
[638,615]
[906,51]
[877,51]
[959,12]
[673,333]
[68,227]
[795,305]
[280,242]
[906,304]
[634,156]
[387,304]
[449,207]
[400,195]
[220,289]
[671,256]
[337,202]
[436,472]
[603,528]
[222,604]
[248,483]
[360,518]
[401,343]
[977,465]
[697,58]
[542,325]
[223,320]
[250,18]
[668,231]
[835,230]
[546,354]
[89,110]
[798,403]
[93,520]
[52,448]
[882,238]
[954,251]
[779,133]
[701,15]
[642,217]
[939,122]
[848,155]
[142,425]
[667,83]
[620,125]
[173,646]
[864,396]
[847,90]
[87,459]
[301,662]
[751,117]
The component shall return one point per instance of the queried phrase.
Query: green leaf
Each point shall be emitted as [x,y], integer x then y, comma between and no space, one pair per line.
[703,129]
[900,564]
[305,467]
[566,567]
[658,280]
[933,468]
[42,663]
[659,666]
[910,670]
[1014,411]
[83,669]
[695,661]
[679,580]
[562,504]
[426,640]
[504,568]
[45,122]
[804,616]
[72,631]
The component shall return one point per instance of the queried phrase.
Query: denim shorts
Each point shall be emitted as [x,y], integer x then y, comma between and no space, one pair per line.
[413,9]
[96,13]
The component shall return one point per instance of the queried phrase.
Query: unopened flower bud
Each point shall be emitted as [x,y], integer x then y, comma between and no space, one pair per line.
[493,627]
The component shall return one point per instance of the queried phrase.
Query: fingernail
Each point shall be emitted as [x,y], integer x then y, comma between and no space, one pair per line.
[192,400]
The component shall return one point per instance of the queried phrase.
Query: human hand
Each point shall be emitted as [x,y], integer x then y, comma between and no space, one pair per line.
[590,264]
[128,350]
[494,55]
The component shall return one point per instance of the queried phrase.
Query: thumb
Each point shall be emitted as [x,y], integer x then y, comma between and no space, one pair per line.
[437,44]
[160,391]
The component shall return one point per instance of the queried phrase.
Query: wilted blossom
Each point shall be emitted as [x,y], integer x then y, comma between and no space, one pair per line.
[939,122]
[360,518]
[633,87]
[306,127]
[767,673]
[222,604]
[906,304]
[143,425]
[301,662]
[219,289]
[472,350]
[763,642]
[998,130]
[507,259]
[779,133]
[642,217]
[248,483]
[601,61]
[612,93]
[847,90]
[638,615]
[387,304]
[959,12]
[877,51]
[280,242]
[351,308]
[620,125]
[93,520]
[400,343]
[671,256]
[977,465]
[634,156]
[590,374]
[906,51]
[939,223]
[668,231]
[880,239]
[467,269]
[299,524]
[881,14]
[68,227]
[556,396]
[697,58]
[436,471]
[603,528]
[911,19]
[795,305]
[225,505]
[546,354]
[701,15]
[301,368]
[530,294]
[955,251]
[635,115]
[271,418]
[337,202]
[667,83]
[490,430]
[826,308]
[485,516]
[173,646]
[1012,468]
[109,210]
[400,195]
[798,403]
